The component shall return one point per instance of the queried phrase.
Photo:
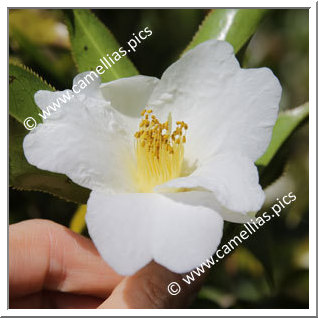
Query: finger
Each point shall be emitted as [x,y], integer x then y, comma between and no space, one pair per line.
[46,255]
[148,289]
[55,300]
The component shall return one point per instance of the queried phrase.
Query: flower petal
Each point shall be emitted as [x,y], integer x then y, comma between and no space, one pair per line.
[185,235]
[120,227]
[232,178]
[87,83]
[226,108]
[86,140]
[129,95]
[46,98]
[207,199]
[131,229]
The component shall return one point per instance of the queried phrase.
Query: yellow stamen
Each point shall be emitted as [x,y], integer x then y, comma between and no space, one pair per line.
[159,151]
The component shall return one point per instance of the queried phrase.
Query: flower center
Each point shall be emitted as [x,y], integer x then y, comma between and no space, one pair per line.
[159,152]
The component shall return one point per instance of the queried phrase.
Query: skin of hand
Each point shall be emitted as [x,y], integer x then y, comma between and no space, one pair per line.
[52,267]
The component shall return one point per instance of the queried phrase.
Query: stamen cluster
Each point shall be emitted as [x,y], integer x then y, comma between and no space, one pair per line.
[159,152]
[153,135]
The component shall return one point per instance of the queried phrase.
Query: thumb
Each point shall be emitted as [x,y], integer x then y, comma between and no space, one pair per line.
[148,288]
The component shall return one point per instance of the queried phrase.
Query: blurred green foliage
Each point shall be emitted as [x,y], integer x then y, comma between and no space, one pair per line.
[270,270]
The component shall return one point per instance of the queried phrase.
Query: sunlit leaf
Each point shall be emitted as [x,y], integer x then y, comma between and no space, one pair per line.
[92,41]
[235,26]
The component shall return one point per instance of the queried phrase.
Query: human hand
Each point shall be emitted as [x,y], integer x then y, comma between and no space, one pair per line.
[52,267]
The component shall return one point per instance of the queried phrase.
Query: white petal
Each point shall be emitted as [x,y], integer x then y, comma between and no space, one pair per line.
[86,140]
[87,83]
[129,95]
[226,108]
[232,178]
[120,227]
[207,199]
[47,98]
[185,235]
[131,229]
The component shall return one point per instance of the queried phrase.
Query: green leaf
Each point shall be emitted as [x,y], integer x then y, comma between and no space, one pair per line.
[235,26]
[91,41]
[23,83]
[286,123]
[272,164]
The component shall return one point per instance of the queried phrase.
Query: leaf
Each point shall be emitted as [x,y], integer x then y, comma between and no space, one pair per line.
[78,220]
[286,123]
[235,26]
[271,165]
[23,83]
[91,41]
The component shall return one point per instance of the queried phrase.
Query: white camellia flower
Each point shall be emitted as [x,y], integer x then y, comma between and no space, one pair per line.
[167,160]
